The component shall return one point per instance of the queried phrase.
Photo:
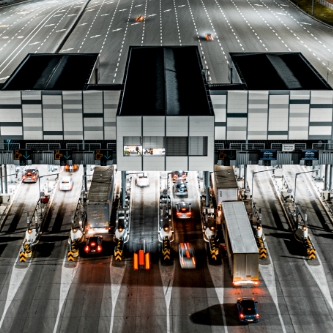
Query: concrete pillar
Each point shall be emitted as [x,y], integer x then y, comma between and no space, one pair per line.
[85,177]
[207,186]
[331,177]
[1,188]
[123,188]
[5,179]
[245,176]
[321,172]
[240,173]
[326,183]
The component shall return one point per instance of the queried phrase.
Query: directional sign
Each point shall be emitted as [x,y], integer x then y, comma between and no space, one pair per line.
[103,155]
[227,155]
[309,155]
[62,155]
[22,155]
[267,154]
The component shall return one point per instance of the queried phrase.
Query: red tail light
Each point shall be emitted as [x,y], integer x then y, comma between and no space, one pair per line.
[99,248]
[188,213]
[33,177]
[241,316]
[87,249]
[257,315]
[179,214]
[24,177]
[92,244]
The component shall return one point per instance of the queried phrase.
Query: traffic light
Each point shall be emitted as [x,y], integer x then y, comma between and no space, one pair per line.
[62,155]
[22,155]
[103,155]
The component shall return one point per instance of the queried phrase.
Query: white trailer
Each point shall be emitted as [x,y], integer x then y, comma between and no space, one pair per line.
[225,184]
[241,247]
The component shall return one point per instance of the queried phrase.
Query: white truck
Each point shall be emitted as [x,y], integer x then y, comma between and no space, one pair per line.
[241,247]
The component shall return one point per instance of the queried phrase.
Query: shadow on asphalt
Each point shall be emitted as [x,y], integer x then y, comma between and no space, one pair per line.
[294,247]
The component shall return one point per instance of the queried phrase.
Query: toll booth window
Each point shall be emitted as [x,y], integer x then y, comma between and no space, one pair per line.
[132,150]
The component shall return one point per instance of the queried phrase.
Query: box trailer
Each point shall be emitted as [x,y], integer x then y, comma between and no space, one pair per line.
[241,247]
[225,184]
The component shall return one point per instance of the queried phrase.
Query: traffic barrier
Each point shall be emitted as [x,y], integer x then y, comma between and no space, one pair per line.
[214,251]
[261,248]
[118,250]
[141,258]
[28,253]
[147,261]
[310,250]
[70,256]
[135,261]
[23,257]
[166,251]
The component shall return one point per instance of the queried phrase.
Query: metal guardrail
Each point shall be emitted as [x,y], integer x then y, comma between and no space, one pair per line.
[247,146]
[298,146]
[9,146]
[322,146]
[83,147]
[326,4]
[41,146]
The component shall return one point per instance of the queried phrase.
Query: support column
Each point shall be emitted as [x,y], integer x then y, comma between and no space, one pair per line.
[245,176]
[123,188]
[326,183]
[1,187]
[240,173]
[85,177]
[320,172]
[331,177]
[207,186]
[5,178]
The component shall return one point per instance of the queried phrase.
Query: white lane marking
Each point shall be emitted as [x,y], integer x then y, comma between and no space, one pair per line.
[105,14]
[49,25]
[71,15]
[167,10]
[63,10]
[61,30]
[34,43]
[167,276]
[217,279]
[305,23]
[181,6]
[117,29]
[151,15]
[67,276]
[71,48]
[83,23]
[4,78]
[16,278]
[258,5]
[4,26]
[138,5]
[267,273]
[284,5]
[319,276]
[95,36]
[90,10]
[57,15]
[117,275]
[5,37]
[20,37]
[280,13]
[121,10]
[135,23]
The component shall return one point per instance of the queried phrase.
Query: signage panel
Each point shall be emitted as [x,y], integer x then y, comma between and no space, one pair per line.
[288,147]
[62,155]
[103,155]
[309,155]
[22,155]
[267,154]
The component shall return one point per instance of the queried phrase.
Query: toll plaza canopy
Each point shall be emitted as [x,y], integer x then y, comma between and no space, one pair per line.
[276,71]
[54,72]
[164,81]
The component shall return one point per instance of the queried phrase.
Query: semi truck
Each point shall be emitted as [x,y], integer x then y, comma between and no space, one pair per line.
[240,244]
[224,184]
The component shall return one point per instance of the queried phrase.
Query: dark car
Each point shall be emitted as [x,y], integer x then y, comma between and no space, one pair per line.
[180,189]
[93,245]
[247,310]
[30,176]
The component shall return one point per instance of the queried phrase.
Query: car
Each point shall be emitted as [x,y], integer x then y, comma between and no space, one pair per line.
[30,176]
[187,256]
[209,37]
[142,179]
[178,176]
[247,310]
[183,210]
[94,245]
[180,189]
[71,168]
[139,18]
[66,183]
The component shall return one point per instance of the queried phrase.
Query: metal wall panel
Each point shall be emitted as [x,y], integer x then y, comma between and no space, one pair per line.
[6,157]
[176,126]
[176,163]
[325,157]
[83,158]
[299,121]
[111,100]
[278,121]
[72,115]
[153,163]
[153,126]
[284,158]
[237,129]
[257,115]
[237,102]
[52,117]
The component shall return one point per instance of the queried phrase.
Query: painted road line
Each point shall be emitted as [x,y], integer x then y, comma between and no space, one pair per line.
[16,279]
[67,276]
[167,276]
[117,275]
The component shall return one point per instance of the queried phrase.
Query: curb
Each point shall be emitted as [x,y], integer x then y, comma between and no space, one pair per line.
[310,16]
[72,27]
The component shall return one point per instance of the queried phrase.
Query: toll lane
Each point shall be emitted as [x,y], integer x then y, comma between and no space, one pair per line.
[286,273]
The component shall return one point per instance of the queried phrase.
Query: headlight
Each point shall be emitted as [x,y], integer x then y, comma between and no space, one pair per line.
[166,228]
[120,229]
